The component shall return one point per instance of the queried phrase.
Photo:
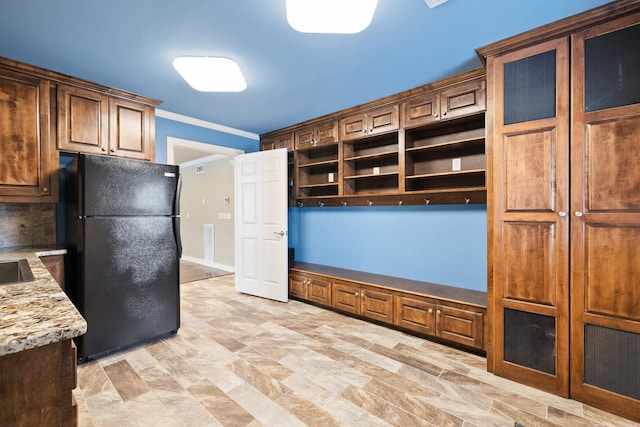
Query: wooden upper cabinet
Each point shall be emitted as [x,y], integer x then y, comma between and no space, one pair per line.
[90,121]
[28,161]
[279,140]
[131,129]
[324,133]
[421,110]
[371,122]
[83,120]
[463,99]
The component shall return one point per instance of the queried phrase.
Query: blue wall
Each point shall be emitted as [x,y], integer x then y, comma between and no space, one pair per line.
[176,129]
[444,244]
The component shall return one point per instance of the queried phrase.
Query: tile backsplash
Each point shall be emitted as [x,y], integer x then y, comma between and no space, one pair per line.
[25,224]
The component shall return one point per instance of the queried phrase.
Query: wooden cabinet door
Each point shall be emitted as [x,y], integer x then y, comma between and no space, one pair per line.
[459,325]
[324,133]
[28,163]
[463,100]
[421,110]
[83,120]
[284,141]
[297,285]
[377,304]
[372,122]
[605,217]
[528,221]
[131,129]
[346,297]
[415,313]
[319,290]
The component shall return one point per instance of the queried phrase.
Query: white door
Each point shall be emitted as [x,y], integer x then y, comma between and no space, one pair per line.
[261,224]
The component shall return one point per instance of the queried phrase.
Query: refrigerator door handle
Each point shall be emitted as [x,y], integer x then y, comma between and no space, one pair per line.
[176,201]
[176,234]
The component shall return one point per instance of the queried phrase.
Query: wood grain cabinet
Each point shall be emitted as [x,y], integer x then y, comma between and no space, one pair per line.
[277,140]
[449,321]
[55,266]
[29,160]
[37,386]
[310,287]
[363,300]
[370,122]
[564,208]
[323,133]
[91,121]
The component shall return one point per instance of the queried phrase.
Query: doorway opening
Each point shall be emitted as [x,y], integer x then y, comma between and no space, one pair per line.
[206,203]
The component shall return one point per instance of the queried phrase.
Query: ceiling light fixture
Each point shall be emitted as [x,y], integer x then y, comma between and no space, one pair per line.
[330,16]
[434,3]
[210,74]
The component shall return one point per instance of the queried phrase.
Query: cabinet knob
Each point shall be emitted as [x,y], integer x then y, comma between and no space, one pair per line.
[113,150]
[438,312]
[103,149]
[444,113]
[356,294]
[562,214]
[578,213]
[45,189]
[430,310]
[435,115]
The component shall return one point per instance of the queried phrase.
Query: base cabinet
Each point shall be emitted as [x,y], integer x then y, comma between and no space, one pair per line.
[451,314]
[440,319]
[37,386]
[310,287]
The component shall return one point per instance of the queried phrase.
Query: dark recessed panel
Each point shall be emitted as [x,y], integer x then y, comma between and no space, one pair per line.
[530,340]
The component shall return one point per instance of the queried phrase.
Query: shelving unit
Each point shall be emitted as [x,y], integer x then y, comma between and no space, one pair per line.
[421,146]
[446,156]
[317,171]
[370,165]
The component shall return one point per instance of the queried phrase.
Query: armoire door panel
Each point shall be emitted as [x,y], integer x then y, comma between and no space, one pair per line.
[529,262]
[612,269]
[612,154]
[529,164]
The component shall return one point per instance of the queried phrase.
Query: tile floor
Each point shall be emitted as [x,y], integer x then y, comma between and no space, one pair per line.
[239,360]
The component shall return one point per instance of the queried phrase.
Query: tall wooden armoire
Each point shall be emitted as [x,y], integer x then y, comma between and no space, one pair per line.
[563,180]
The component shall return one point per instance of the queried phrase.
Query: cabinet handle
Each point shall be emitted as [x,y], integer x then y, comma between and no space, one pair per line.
[578,214]
[444,113]
[103,149]
[562,214]
[45,189]
[356,294]
[438,312]
[113,150]
[430,310]
[435,115]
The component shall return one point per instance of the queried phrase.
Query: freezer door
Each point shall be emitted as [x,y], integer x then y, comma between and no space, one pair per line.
[130,289]
[112,186]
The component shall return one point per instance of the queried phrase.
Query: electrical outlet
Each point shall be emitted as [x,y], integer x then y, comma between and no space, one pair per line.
[456,164]
[330,178]
[376,170]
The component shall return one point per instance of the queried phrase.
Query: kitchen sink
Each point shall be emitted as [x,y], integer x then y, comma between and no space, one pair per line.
[15,272]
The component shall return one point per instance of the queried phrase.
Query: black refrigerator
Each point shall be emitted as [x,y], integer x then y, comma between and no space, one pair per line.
[123,250]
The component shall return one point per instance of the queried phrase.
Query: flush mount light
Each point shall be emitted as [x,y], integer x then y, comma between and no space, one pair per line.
[434,3]
[330,16]
[210,74]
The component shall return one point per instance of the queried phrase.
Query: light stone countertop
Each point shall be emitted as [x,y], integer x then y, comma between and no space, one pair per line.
[37,313]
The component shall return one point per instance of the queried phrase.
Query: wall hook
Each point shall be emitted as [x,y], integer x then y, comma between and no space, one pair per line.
[321,204]
[466,201]
[300,204]
[426,201]
[344,204]
[369,203]
[400,203]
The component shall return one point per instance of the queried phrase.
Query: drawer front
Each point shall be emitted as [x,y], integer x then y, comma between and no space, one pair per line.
[461,326]
[346,297]
[377,305]
[416,314]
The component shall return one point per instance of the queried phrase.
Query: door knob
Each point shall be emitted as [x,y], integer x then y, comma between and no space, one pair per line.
[279,233]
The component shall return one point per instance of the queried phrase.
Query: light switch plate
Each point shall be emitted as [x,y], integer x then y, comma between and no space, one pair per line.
[376,170]
[456,164]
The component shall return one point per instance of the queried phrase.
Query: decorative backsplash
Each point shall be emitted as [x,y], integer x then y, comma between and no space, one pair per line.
[25,224]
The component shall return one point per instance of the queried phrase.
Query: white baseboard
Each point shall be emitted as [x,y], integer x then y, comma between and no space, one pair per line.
[194,260]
